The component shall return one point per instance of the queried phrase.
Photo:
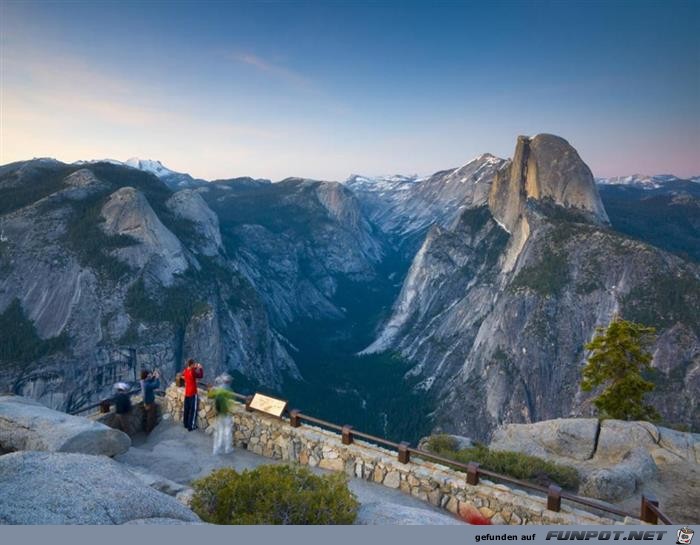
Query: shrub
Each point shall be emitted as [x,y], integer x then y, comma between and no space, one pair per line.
[514,464]
[443,443]
[274,494]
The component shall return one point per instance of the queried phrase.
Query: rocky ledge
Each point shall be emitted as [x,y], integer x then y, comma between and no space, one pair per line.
[67,488]
[617,460]
[28,425]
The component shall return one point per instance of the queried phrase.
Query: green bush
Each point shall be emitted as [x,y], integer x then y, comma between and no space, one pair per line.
[513,464]
[274,494]
[442,443]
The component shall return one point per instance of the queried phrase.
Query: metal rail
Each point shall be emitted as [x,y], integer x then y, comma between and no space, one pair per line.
[104,403]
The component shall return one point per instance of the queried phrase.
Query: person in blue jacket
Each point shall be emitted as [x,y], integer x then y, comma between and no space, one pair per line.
[150,382]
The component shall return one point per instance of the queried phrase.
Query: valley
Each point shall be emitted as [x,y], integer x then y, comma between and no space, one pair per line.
[400,305]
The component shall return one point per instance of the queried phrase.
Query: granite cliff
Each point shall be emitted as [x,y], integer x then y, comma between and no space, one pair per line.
[496,308]
[106,269]
[469,293]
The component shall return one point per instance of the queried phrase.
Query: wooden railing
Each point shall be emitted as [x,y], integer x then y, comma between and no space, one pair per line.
[105,405]
[649,512]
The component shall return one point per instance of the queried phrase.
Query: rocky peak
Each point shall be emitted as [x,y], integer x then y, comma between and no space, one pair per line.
[189,204]
[128,212]
[340,203]
[544,168]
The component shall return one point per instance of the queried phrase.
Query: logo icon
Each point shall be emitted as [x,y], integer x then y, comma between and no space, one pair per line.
[685,535]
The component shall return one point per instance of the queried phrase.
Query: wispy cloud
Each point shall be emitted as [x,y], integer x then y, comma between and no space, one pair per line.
[72,86]
[272,69]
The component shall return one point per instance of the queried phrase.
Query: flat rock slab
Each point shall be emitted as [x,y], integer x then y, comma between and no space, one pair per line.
[28,425]
[66,488]
[572,438]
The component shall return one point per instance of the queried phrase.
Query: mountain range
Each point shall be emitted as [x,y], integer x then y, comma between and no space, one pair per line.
[399,304]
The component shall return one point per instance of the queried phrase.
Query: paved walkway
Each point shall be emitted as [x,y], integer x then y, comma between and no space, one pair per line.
[181,456]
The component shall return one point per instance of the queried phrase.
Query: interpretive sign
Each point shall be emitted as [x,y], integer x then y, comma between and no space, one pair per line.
[268,405]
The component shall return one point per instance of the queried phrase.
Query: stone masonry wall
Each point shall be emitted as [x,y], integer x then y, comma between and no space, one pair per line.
[433,483]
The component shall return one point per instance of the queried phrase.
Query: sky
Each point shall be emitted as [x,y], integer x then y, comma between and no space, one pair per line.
[326,89]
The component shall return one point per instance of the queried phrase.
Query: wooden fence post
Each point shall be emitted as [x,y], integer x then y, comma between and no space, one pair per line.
[472,473]
[647,515]
[404,454]
[347,435]
[294,419]
[554,498]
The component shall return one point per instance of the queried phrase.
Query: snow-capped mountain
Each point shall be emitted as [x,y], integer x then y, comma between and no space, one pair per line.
[174,180]
[644,181]
[149,165]
[404,206]
[396,182]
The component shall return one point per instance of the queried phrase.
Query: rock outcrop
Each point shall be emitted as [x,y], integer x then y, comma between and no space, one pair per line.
[616,459]
[189,204]
[63,488]
[128,212]
[28,425]
[544,168]
[573,438]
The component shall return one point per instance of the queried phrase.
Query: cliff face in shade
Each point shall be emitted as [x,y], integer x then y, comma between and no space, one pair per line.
[105,270]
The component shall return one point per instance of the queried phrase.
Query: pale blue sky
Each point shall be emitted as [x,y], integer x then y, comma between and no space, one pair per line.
[325,89]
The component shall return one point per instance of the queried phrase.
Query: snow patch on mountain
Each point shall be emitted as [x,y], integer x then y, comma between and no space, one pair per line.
[644,181]
[149,165]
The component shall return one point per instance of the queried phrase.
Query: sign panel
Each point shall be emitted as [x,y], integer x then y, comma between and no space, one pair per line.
[268,405]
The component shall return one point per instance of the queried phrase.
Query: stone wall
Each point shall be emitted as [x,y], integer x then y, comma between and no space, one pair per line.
[433,483]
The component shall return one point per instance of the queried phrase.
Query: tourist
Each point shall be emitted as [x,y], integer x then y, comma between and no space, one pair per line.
[223,427]
[149,383]
[122,407]
[192,372]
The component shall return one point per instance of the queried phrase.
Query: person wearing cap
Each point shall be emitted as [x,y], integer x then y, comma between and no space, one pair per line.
[192,372]
[122,407]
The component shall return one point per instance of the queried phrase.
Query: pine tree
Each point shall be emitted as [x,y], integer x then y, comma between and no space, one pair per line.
[618,356]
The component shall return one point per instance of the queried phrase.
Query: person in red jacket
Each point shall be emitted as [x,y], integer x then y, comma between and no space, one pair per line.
[192,372]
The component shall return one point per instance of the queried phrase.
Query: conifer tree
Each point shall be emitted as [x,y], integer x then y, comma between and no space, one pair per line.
[619,355]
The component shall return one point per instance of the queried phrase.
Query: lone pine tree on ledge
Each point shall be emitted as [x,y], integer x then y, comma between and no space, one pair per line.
[618,356]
